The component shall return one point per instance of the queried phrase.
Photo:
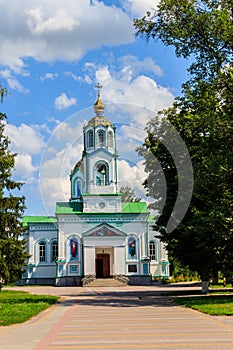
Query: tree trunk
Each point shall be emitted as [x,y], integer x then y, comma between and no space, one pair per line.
[204,286]
[205,280]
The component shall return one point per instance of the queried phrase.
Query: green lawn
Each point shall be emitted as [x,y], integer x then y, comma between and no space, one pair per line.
[212,305]
[18,307]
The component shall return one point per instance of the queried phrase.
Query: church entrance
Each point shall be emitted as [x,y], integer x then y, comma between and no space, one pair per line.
[102,266]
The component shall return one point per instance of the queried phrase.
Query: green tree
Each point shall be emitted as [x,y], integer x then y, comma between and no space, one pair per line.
[203,118]
[12,254]
[200,29]
[128,194]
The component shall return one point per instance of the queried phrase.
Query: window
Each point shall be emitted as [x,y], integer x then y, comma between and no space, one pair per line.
[152,250]
[132,268]
[110,139]
[42,252]
[54,251]
[73,268]
[101,137]
[132,248]
[90,139]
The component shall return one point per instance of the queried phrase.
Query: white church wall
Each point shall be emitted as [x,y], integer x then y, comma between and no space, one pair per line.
[89,260]
[119,261]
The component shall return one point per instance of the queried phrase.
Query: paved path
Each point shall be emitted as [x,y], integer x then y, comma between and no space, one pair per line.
[117,318]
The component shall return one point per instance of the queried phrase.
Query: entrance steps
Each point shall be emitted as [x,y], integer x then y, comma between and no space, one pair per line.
[106,282]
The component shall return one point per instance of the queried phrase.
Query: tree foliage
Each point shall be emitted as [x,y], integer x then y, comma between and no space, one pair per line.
[200,29]
[128,194]
[203,118]
[12,255]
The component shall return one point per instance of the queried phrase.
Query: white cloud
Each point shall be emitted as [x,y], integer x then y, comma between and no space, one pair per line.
[48,31]
[132,176]
[24,139]
[138,8]
[24,168]
[49,76]
[141,92]
[12,81]
[63,102]
[132,66]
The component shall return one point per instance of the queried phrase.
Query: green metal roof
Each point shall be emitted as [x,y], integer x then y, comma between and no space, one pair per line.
[77,208]
[69,208]
[38,219]
[134,207]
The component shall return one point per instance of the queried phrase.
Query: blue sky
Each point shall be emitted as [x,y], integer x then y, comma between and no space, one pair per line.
[52,55]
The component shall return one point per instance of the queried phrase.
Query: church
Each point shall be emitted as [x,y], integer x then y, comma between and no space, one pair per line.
[94,234]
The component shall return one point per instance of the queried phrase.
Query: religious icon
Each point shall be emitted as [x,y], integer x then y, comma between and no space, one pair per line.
[132,247]
[74,249]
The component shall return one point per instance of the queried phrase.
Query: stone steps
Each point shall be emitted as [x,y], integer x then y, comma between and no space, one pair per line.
[106,282]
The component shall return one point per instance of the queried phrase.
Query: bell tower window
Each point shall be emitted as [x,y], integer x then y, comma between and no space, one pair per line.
[101,138]
[101,174]
[90,139]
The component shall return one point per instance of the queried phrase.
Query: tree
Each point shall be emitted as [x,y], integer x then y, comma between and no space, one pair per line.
[128,194]
[200,29]
[203,118]
[12,254]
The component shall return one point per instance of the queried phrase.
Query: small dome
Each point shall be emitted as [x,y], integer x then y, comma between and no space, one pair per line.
[78,165]
[99,106]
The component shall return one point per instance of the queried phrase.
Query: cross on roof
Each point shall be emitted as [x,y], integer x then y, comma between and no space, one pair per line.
[98,86]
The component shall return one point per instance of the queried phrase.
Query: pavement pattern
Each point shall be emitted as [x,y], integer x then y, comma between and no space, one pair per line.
[128,317]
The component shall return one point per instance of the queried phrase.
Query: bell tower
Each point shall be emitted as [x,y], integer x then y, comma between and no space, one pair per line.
[97,171]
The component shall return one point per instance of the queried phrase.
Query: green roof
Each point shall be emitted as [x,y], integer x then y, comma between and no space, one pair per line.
[134,207]
[38,219]
[69,208]
[77,208]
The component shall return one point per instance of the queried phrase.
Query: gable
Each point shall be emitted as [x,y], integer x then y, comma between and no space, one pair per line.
[104,230]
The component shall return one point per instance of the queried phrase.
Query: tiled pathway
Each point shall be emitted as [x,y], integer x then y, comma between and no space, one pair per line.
[122,318]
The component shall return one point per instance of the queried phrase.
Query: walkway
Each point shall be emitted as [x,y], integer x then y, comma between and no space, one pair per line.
[117,318]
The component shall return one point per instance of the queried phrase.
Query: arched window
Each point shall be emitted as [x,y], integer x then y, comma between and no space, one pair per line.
[101,138]
[90,139]
[42,252]
[54,251]
[73,249]
[152,251]
[132,248]
[101,175]
[110,139]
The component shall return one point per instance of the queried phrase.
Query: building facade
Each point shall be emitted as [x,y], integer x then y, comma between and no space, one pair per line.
[94,233]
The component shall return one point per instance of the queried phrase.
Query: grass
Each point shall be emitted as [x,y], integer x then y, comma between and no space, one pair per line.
[18,307]
[221,305]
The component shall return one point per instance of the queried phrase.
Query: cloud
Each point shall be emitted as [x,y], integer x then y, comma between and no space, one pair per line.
[132,176]
[24,169]
[13,83]
[24,139]
[49,76]
[140,91]
[138,8]
[63,102]
[48,31]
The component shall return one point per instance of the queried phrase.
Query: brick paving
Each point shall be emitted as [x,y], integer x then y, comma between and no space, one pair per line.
[117,318]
